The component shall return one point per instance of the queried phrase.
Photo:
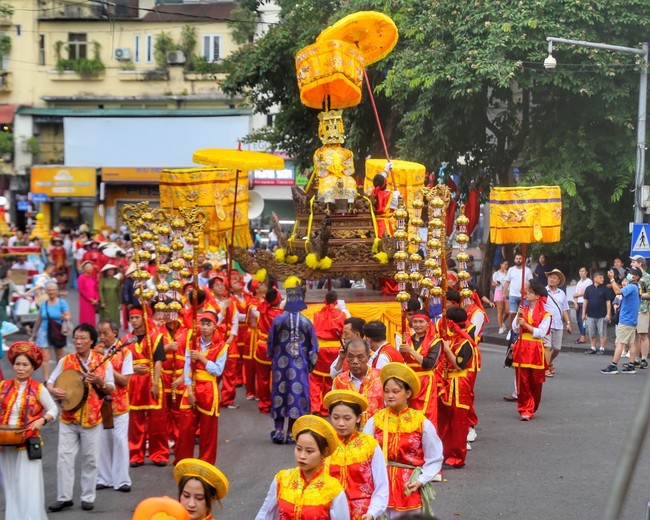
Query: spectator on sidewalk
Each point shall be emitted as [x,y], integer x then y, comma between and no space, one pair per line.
[597,311]
[627,321]
[558,307]
[513,284]
[541,270]
[578,301]
[641,343]
[501,303]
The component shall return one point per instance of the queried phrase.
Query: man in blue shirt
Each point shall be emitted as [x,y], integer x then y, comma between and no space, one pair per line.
[629,311]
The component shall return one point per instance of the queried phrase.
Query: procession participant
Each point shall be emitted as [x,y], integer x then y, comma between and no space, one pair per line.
[176,339]
[88,294]
[357,462]
[200,404]
[307,491]
[27,404]
[81,428]
[361,378]
[421,352]
[203,301]
[92,255]
[293,350]
[534,322]
[147,416]
[245,364]
[352,328]
[229,322]
[199,485]
[114,453]
[154,508]
[268,309]
[385,202]
[409,442]
[58,256]
[328,324]
[257,290]
[455,391]
[382,352]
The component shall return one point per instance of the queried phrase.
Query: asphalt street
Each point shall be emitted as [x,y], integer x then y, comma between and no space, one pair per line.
[560,465]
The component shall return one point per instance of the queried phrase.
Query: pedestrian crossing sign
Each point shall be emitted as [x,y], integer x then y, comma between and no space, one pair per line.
[640,240]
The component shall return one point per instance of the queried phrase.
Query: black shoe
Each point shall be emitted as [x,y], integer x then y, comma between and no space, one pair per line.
[101,486]
[136,464]
[87,506]
[160,463]
[590,351]
[60,505]
[124,488]
[644,364]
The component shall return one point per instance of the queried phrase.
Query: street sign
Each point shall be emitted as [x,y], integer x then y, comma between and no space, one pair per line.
[22,205]
[640,240]
[39,197]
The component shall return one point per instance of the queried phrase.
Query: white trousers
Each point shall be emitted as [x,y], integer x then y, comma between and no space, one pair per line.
[114,454]
[23,486]
[71,436]
[392,513]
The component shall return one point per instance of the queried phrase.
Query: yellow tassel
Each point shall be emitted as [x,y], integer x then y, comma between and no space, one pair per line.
[292,259]
[382,257]
[260,275]
[312,261]
[280,255]
[292,281]
[375,245]
[326,263]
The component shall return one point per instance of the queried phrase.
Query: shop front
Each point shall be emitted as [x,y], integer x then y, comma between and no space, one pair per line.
[64,195]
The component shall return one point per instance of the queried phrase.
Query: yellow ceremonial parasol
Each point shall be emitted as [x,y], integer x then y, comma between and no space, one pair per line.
[374,33]
[238,160]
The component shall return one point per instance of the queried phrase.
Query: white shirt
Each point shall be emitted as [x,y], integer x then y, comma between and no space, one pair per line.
[514,277]
[214,368]
[431,446]
[499,277]
[109,379]
[44,397]
[381,362]
[539,332]
[556,311]
[339,509]
[580,288]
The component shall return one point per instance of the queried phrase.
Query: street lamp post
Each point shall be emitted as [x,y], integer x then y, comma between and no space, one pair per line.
[550,63]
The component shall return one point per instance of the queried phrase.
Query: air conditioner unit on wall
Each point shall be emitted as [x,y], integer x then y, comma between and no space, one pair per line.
[176,57]
[122,53]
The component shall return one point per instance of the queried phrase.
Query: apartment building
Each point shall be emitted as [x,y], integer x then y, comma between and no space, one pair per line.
[101,95]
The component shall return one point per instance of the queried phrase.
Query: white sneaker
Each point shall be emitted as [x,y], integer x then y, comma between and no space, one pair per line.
[471,436]
[469,447]
[626,354]
[502,329]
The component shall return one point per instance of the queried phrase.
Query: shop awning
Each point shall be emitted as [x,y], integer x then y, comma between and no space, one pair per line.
[7,114]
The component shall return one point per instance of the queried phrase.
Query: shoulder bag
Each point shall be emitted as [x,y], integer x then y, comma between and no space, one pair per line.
[55,336]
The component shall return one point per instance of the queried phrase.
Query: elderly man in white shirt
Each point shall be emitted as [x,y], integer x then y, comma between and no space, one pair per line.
[558,307]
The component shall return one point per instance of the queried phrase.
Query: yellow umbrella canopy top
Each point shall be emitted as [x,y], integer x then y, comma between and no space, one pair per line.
[374,33]
[237,159]
[397,165]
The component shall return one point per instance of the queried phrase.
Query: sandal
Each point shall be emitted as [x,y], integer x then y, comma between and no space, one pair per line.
[550,374]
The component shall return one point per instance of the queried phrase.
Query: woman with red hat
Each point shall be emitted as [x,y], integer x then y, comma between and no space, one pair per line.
[26,404]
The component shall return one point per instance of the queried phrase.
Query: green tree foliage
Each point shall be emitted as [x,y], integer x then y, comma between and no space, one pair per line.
[466,80]
[243,24]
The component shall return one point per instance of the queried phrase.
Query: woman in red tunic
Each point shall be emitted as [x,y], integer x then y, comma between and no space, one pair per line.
[409,442]
[307,492]
[357,461]
[421,353]
[533,323]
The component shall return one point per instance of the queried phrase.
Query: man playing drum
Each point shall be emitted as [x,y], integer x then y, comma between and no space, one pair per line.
[80,415]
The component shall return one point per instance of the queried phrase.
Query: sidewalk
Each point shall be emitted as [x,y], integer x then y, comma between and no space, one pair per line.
[491,335]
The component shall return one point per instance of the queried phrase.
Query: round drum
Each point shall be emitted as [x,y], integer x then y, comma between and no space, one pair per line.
[333,69]
[12,436]
[77,390]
